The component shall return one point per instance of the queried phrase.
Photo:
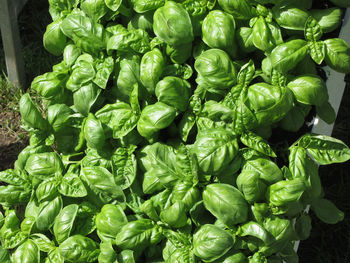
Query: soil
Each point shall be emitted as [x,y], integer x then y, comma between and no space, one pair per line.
[12,138]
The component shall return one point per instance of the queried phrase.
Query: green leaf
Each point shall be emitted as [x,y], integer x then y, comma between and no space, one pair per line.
[187,164]
[326,112]
[256,230]
[4,255]
[215,148]
[85,221]
[225,37]
[285,192]
[113,4]
[290,17]
[226,203]
[59,6]
[269,103]
[338,55]
[325,149]
[48,211]
[244,38]
[151,183]
[27,225]
[142,6]
[44,165]
[216,72]
[128,78]
[243,117]
[85,32]
[83,72]
[119,118]
[31,115]
[341,3]
[47,189]
[268,170]
[266,35]
[139,234]
[54,40]
[154,118]
[257,143]
[179,54]
[79,249]
[2,219]
[317,51]
[102,181]
[286,56]
[104,70]
[143,21]
[239,9]
[172,24]
[95,9]
[186,124]
[313,31]
[125,165]
[126,256]
[85,98]
[174,92]
[200,215]
[234,256]
[252,187]
[159,160]
[300,164]
[14,195]
[43,242]
[136,40]
[278,79]
[216,111]
[54,257]
[184,254]
[329,19]
[94,133]
[303,226]
[246,74]
[309,89]
[326,211]
[211,242]
[64,222]
[295,118]
[70,54]
[72,186]
[187,193]
[151,69]
[12,176]
[110,221]
[10,234]
[58,116]
[108,254]
[175,215]
[27,252]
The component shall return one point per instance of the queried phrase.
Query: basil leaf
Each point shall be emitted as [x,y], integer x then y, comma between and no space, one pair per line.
[338,55]
[204,247]
[27,252]
[325,149]
[326,211]
[215,148]
[286,56]
[226,203]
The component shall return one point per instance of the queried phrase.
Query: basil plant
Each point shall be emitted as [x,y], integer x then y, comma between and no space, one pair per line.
[155,136]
